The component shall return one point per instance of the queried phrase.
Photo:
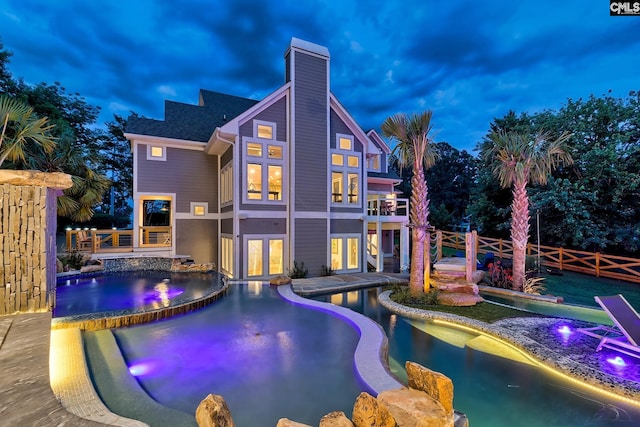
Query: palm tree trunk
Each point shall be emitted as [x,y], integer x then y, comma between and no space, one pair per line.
[519,232]
[419,216]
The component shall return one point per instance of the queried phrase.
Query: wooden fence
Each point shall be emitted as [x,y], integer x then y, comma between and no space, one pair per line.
[594,263]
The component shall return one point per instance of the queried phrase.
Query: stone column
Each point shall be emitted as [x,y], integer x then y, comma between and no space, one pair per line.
[28,239]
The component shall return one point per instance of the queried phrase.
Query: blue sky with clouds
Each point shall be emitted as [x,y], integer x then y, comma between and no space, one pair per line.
[468,61]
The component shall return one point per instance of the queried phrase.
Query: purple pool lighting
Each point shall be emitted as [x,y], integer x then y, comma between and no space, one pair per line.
[132,290]
[617,361]
[142,368]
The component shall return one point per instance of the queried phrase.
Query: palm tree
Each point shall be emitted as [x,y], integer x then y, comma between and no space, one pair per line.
[416,149]
[519,160]
[21,129]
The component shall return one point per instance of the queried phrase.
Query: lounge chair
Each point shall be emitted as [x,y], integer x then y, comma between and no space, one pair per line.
[625,337]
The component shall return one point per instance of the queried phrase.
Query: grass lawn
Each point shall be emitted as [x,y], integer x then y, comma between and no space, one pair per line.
[483,311]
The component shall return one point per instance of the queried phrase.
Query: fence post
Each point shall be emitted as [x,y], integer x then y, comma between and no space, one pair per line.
[560,257]
[439,244]
[427,263]
[500,248]
[597,264]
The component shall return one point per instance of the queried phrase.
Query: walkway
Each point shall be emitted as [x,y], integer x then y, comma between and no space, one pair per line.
[346,282]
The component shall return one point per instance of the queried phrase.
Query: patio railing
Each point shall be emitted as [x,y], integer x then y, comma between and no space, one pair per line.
[113,240]
[387,206]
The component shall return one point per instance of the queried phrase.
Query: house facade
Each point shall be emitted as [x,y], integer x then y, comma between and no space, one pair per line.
[253,186]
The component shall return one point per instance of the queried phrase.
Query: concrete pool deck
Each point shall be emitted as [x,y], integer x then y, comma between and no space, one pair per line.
[27,399]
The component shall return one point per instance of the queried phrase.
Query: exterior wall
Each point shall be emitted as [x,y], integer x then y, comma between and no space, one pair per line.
[226,226]
[311,244]
[197,238]
[226,157]
[263,226]
[380,187]
[27,248]
[346,226]
[310,110]
[190,174]
[338,126]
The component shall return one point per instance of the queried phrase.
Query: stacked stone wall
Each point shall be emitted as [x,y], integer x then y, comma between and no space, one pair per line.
[27,248]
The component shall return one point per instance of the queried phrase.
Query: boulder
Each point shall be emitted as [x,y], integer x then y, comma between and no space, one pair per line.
[335,419]
[456,287]
[91,268]
[213,412]
[478,276]
[286,422]
[415,408]
[280,280]
[435,384]
[59,266]
[458,299]
[369,412]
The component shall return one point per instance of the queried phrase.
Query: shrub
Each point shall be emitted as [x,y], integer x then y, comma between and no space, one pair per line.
[298,271]
[73,260]
[402,295]
[326,271]
[534,284]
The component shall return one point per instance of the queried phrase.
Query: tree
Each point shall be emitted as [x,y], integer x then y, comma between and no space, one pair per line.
[416,149]
[21,131]
[518,160]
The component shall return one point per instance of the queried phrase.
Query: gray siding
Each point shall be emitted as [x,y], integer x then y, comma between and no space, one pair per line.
[226,157]
[380,187]
[342,226]
[191,175]
[263,226]
[311,148]
[226,226]
[338,126]
[197,239]
[311,244]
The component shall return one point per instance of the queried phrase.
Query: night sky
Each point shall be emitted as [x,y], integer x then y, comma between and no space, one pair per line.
[468,61]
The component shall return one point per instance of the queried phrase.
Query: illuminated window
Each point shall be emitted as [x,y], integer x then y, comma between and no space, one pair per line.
[263,165]
[226,185]
[155,219]
[345,252]
[275,182]
[254,150]
[265,131]
[254,181]
[265,255]
[254,257]
[226,255]
[199,208]
[156,152]
[373,163]
[345,178]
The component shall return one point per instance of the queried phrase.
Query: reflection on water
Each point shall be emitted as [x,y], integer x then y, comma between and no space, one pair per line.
[493,390]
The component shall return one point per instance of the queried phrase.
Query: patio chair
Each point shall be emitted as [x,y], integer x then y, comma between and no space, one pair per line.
[625,336]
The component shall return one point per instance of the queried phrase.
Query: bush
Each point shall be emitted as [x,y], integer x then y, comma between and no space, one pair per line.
[298,271]
[73,260]
[402,295]
[326,271]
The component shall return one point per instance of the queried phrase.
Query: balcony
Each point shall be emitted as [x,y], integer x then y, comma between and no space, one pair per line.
[117,241]
[387,209]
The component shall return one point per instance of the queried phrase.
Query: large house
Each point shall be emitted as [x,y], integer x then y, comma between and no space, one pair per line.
[253,186]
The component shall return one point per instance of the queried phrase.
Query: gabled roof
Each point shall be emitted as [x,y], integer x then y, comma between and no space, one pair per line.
[192,122]
[378,141]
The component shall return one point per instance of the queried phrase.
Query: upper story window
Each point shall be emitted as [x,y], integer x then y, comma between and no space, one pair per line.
[156,152]
[373,163]
[263,163]
[345,172]
[264,130]
[226,185]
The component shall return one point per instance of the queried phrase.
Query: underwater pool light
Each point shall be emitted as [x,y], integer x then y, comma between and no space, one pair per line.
[565,330]
[617,361]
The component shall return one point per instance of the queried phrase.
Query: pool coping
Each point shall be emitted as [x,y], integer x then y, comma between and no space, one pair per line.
[509,331]
[370,357]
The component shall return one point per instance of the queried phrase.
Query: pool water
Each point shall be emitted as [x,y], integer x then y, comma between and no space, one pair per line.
[132,290]
[493,391]
[267,357]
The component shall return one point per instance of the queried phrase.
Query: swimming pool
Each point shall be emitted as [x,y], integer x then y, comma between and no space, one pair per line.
[492,390]
[132,290]
[268,358]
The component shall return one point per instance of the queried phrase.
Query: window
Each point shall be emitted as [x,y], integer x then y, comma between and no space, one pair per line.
[226,255]
[263,163]
[345,173]
[265,255]
[199,208]
[156,152]
[373,163]
[226,185]
[345,252]
[155,218]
